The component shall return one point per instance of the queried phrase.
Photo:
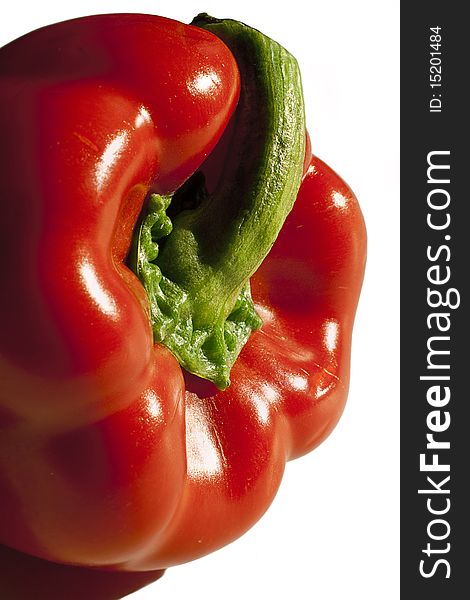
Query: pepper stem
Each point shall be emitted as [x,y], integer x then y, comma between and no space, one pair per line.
[198,280]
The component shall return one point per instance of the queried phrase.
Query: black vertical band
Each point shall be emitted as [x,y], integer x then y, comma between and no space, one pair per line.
[435,332]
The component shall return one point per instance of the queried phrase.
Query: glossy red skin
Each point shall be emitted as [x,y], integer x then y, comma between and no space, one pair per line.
[109,455]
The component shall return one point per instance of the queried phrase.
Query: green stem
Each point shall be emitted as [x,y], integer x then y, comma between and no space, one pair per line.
[204,313]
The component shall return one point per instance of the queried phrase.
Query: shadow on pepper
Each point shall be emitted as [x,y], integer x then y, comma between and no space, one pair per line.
[23,577]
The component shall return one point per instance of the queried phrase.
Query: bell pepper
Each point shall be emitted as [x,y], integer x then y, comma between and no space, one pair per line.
[179,282]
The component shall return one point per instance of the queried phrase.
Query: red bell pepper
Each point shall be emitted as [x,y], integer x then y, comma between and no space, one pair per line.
[111,454]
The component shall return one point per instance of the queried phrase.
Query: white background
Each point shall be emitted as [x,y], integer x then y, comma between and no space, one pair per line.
[333,529]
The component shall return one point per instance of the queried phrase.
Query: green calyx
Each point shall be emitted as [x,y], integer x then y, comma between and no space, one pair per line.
[196,266]
[207,351]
